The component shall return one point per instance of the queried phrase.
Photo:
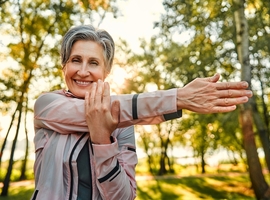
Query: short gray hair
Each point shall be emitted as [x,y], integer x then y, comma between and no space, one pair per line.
[88,32]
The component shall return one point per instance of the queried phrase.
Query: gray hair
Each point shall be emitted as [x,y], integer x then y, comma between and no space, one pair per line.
[88,32]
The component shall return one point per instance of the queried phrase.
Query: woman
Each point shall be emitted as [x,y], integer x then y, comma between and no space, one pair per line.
[85,145]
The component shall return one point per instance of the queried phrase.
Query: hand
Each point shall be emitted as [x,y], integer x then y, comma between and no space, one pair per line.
[205,95]
[102,118]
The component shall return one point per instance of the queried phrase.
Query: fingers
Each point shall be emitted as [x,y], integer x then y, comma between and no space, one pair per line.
[115,111]
[106,97]
[92,94]
[220,109]
[232,85]
[231,93]
[87,99]
[214,78]
[226,85]
[228,104]
[233,89]
[98,92]
[99,97]
[93,98]
[231,101]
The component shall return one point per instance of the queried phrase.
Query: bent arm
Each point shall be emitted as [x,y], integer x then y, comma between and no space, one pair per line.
[115,166]
[63,114]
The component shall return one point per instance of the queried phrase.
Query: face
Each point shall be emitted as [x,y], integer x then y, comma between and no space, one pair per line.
[85,66]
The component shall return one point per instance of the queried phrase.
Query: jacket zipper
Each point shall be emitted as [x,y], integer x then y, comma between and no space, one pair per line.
[70,166]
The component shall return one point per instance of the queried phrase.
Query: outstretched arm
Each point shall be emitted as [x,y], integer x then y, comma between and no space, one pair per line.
[206,95]
[57,112]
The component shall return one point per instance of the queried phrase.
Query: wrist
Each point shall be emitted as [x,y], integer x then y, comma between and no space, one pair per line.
[109,140]
[179,99]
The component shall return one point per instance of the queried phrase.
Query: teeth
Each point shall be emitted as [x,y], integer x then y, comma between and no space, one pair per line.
[83,82]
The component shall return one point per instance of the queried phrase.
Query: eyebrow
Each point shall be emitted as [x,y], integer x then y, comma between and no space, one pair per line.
[74,55]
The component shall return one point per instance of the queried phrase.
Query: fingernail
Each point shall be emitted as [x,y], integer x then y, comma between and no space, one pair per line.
[244,84]
[244,99]
[249,93]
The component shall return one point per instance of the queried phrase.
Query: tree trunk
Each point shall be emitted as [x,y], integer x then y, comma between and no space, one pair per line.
[6,137]
[164,145]
[263,132]
[24,161]
[259,184]
[10,165]
[150,162]
[19,109]
[202,163]
[255,170]
[162,164]
[146,149]
[265,110]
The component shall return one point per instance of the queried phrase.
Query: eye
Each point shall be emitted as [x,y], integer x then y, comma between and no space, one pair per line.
[76,60]
[93,62]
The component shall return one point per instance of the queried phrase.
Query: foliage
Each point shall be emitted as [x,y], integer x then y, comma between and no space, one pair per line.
[33,31]
[197,39]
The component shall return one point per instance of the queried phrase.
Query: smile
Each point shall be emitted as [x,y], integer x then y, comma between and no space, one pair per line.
[84,83]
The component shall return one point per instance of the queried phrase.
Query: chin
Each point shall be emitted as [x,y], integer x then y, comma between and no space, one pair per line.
[80,94]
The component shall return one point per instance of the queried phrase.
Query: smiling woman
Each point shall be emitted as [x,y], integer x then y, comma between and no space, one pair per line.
[84,137]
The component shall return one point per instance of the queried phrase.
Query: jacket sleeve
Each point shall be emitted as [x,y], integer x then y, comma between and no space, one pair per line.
[115,166]
[66,115]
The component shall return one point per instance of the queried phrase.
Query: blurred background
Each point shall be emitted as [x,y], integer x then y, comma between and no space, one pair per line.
[160,44]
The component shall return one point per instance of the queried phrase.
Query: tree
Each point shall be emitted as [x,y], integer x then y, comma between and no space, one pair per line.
[213,24]
[258,21]
[259,184]
[3,1]
[205,134]
[35,29]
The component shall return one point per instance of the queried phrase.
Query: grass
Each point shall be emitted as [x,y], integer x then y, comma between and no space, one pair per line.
[225,182]
[19,192]
[224,186]
[234,186]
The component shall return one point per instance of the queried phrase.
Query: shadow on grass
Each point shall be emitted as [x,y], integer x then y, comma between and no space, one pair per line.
[194,188]
[173,188]
[19,193]
[157,190]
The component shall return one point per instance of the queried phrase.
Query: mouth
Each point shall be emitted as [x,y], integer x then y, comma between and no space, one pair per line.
[83,83]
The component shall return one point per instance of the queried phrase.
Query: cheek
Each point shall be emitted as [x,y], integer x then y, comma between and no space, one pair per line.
[68,71]
[99,73]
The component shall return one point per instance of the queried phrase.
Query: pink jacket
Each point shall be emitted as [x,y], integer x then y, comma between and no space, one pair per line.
[61,132]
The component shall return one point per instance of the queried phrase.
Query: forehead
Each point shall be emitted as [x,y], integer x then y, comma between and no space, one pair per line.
[87,47]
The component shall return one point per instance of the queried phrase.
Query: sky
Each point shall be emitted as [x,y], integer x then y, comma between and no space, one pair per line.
[136,21]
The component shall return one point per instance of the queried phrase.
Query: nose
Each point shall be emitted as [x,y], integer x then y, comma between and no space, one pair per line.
[83,71]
